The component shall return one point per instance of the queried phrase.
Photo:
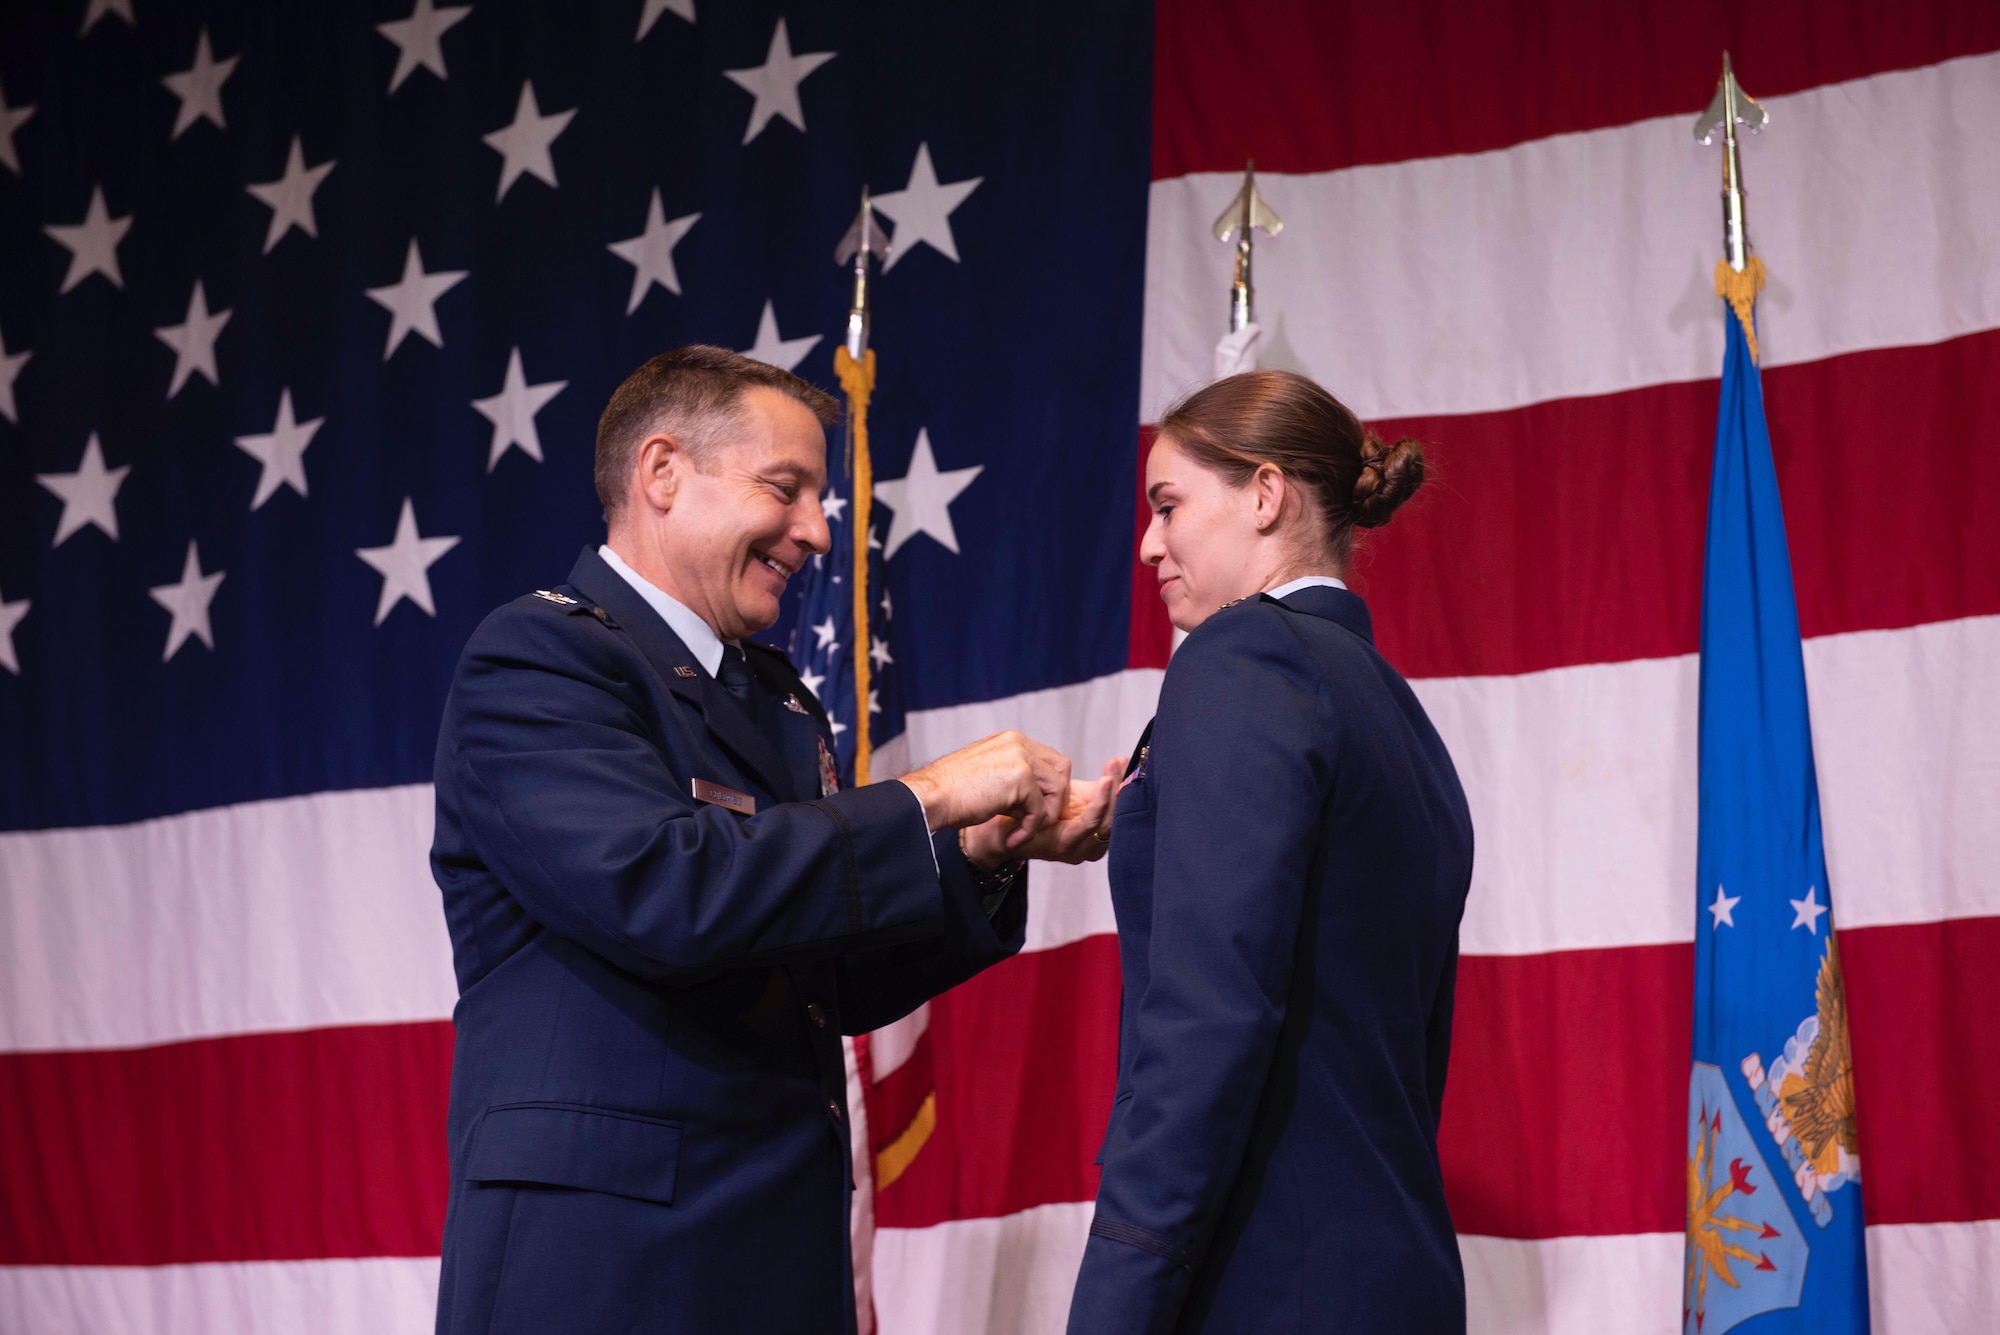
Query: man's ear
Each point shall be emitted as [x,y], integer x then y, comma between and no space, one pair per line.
[658,466]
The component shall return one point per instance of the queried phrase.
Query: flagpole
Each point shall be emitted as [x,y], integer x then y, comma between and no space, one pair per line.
[854,363]
[1739,275]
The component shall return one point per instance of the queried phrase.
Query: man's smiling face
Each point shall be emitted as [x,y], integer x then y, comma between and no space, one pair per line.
[746,514]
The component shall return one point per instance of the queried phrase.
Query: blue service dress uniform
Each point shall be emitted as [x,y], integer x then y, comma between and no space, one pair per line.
[1289,864]
[648,1123]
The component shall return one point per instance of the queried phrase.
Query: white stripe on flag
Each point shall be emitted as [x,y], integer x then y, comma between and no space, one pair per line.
[1015,1273]
[1581,264]
[375,1296]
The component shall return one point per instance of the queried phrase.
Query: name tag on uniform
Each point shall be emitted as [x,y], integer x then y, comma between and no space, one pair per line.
[704,791]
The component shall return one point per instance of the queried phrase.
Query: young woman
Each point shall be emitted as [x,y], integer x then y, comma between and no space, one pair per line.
[1288,864]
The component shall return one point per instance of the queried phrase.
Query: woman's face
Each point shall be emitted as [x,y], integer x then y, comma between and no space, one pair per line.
[1204,538]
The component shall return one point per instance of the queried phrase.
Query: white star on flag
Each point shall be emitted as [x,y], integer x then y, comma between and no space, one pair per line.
[411,301]
[89,495]
[775,83]
[655,8]
[1724,909]
[813,681]
[836,727]
[512,412]
[823,634]
[878,649]
[199,87]
[405,564]
[416,39]
[835,506]
[783,353]
[10,371]
[99,8]
[93,243]
[524,145]
[651,253]
[10,617]
[291,196]
[282,451]
[11,119]
[193,341]
[922,210]
[1805,912]
[188,601]
[874,701]
[921,499]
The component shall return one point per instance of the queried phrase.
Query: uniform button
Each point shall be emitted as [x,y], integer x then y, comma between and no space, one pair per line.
[817,1014]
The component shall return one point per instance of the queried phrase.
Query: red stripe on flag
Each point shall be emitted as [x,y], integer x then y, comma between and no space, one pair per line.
[1152,633]
[321,1143]
[1307,87]
[1563,1116]
[1571,532]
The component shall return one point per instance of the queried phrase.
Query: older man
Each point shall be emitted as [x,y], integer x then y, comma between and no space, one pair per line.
[663,915]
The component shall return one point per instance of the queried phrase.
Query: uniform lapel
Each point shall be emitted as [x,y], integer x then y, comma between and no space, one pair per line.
[1339,606]
[803,730]
[683,674]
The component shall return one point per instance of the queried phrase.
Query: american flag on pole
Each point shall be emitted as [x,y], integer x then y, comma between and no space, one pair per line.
[307,313]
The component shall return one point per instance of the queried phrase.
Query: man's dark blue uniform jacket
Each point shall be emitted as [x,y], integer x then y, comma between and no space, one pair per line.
[648,1125]
[1289,863]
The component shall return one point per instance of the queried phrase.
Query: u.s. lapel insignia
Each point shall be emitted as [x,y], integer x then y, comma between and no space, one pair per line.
[683,670]
[792,703]
[829,773]
[1138,768]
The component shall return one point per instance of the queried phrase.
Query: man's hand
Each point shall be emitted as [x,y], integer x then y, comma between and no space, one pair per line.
[1006,774]
[1082,834]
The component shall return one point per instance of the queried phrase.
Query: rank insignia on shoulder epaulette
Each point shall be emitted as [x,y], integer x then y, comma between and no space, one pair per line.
[1231,603]
[559,599]
[792,703]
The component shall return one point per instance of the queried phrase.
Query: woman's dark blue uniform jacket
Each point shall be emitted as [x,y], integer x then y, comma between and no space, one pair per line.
[648,1125]
[1289,862]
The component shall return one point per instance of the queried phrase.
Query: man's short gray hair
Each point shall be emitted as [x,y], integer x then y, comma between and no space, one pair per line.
[692,394]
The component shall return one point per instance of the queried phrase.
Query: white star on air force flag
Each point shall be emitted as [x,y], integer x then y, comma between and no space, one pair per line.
[775,83]
[412,300]
[193,340]
[199,87]
[99,8]
[512,412]
[11,119]
[921,499]
[10,369]
[405,564]
[783,353]
[416,39]
[1724,908]
[188,601]
[524,145]
[1806,912]
[282,451]
[651,253]
[89,495]
[93,243]
[290,197]
[922,210]
[10,617]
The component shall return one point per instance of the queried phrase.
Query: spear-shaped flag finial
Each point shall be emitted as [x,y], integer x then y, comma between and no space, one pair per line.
[1731,107]
[862,241]
[1248,212]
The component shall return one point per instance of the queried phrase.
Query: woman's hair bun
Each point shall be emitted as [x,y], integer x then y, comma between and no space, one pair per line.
[1390,475]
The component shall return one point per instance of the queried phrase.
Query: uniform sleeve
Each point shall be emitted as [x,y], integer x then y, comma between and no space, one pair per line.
[564,795]
[1238,788]
[878,987]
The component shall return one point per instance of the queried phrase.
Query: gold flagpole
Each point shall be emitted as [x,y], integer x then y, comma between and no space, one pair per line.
[1739,275]
[854,363]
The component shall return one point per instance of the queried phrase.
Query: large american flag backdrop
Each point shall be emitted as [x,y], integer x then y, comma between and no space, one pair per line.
[307,312]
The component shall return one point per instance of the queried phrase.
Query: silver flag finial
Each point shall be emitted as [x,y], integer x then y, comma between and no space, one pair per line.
[864,240]
[1247,213]
[1730,108]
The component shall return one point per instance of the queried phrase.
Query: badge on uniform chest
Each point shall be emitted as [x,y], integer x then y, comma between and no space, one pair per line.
[829,773]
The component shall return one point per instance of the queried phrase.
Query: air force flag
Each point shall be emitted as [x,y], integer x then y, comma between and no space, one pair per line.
[1774,1219]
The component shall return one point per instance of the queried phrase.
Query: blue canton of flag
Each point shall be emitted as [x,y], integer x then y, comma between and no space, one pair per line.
[1774,1217]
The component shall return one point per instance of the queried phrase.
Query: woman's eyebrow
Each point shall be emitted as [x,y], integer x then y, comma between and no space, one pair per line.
[1153,492]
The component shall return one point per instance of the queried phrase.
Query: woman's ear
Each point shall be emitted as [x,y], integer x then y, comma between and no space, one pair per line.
[1269,490]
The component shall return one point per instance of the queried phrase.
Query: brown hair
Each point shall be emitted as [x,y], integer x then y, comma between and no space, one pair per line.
[1283,419]
[692,393]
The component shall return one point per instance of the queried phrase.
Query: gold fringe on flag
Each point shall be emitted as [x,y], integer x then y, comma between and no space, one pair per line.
[1740,291]
[858,379]
[892,1159]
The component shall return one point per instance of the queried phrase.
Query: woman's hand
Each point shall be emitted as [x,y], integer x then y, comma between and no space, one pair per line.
[1081,834]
